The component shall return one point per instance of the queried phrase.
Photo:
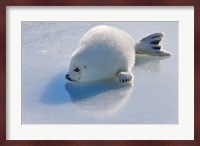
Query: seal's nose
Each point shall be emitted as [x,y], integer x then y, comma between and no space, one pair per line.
[67,76]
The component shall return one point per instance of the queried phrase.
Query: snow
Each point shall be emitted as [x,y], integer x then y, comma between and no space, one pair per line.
[47,98]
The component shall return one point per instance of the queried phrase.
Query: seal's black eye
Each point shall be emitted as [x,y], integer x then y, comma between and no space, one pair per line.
[76,69]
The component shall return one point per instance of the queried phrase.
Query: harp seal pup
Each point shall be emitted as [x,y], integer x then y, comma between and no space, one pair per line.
[106,52]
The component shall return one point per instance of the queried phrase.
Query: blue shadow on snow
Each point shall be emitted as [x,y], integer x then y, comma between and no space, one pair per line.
[60,91]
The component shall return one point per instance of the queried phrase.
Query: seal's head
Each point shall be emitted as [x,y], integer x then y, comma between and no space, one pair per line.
[73,74]
[77,69]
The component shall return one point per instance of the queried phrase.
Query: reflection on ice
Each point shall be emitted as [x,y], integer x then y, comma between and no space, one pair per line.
[149,63]
[79,91]
[105,97]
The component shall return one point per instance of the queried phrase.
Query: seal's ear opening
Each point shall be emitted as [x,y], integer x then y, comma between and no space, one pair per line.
[85,67]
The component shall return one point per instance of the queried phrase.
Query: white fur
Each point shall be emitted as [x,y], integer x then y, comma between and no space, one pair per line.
[103,52]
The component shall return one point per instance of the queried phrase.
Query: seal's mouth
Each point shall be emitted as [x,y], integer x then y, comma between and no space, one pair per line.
[68,78]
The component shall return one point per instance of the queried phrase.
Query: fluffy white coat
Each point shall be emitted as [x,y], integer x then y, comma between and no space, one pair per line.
[106,52]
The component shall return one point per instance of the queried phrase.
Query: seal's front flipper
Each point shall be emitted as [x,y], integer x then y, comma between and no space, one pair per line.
[150,45]
[124,77]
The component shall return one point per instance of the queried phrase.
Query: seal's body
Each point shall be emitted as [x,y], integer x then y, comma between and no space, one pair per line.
[107,52]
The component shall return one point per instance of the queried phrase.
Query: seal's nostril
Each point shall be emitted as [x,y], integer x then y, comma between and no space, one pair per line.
[67,76]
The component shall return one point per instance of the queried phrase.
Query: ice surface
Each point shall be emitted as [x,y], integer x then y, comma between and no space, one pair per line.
[47,98]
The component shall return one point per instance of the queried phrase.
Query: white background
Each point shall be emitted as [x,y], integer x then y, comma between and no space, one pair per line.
[185,128]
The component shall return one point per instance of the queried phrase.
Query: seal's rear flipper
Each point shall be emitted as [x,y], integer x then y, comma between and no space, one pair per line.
[150,45]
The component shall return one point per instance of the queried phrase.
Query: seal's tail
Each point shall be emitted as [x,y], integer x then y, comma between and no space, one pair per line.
[150,45]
